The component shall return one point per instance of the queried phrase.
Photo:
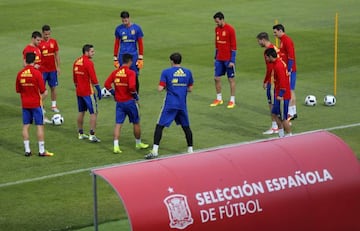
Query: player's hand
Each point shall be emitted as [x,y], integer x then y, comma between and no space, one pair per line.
[37,66]
[140,63]
[116,63]
[265,85]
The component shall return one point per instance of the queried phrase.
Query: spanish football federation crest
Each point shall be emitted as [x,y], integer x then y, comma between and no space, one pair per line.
[179,211]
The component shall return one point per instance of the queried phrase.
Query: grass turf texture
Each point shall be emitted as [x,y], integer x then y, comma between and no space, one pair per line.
[65,202]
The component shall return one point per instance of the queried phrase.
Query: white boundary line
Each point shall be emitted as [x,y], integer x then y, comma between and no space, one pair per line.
[213,148]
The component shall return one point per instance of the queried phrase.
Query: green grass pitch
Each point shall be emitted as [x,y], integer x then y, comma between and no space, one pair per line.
[65,202]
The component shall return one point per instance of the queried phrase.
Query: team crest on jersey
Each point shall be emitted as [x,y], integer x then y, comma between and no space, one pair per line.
[223,33]
[52,45]
[132,32]
[179,211]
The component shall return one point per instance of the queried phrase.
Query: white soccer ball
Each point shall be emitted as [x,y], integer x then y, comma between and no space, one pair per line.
[329,100]
[105,92]
[57,119]
[310,100]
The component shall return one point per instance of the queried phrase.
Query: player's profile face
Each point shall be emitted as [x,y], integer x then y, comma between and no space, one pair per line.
[91,52]
[277,33]
[219,22]
[37,41]
[261,42]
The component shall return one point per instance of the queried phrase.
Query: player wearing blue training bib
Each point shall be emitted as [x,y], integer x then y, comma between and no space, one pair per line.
[177,81]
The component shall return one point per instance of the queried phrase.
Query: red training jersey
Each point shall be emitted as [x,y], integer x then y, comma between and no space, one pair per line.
[32,49]
[48,49]
[269,65]
[225,42]
[30,85]
[124,81]
[84,76]
[287,50]
[281,78]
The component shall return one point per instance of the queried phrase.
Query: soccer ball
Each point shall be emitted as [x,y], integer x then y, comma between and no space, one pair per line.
[329,100]
[310,100]
[57,119]
[105,92]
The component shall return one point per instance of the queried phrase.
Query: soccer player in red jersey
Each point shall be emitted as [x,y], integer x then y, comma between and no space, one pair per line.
[34,48]
[287,52]
[50,63]
[225,55]
[281,92]
[31,87]
[124,81]
[263,41]
[84,78]
[129,40]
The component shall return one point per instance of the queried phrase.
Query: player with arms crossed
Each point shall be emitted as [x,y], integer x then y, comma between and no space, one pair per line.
[263,41]
[225,55]
[177,81]
[31,87]
[84,78]
[50,66]
[281,92]
[124,81]
[129,40]
[287,53]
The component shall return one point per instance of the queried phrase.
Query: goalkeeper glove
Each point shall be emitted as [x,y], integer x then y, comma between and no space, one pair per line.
[116,63]
[140,62]
[98,91]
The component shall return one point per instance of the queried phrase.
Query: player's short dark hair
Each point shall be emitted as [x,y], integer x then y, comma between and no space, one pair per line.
[175,57]
[279,27]
[263,35]
[45,28]
[126,58]
[36,34]
[30,57]
[86,48]
[219,15]
[124,14]
[271,52]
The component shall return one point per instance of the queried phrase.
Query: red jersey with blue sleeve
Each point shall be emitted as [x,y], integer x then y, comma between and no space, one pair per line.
[84,76]
[176,80]
[281,78]
[269,65]
[124,81]
[127,40]
[225,43]
[48,49]
[32,49]
[287,51]
[30,85]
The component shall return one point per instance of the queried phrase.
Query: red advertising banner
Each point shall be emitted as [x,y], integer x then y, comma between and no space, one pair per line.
[305,182]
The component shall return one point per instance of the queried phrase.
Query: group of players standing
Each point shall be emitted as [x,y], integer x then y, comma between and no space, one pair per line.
[42,64]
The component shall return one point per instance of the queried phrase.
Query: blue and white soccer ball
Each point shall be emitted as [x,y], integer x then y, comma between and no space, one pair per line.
[329,100]
[310,100]
[57,119]
[105,92]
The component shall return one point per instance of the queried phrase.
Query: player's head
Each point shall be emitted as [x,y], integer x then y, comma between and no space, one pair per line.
[270,54]
[125,17]
[88,50]
[127,59]
[46,32]
[219,18]
[175,58]
[278,30]
[36,38]
[30,57]
[262,38]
